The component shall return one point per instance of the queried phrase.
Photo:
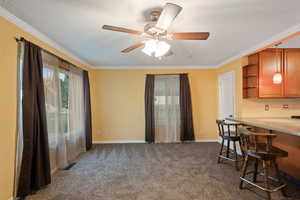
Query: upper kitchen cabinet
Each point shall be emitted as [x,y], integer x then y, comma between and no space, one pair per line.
[270,62]
[258,74]
[292,72]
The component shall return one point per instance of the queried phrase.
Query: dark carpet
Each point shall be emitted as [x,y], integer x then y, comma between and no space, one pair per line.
[149,172]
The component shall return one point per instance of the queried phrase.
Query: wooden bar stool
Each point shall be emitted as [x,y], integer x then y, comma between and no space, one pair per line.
[258,147]
[229,133]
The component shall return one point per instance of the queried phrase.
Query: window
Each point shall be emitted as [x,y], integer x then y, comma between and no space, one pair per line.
[64,98]
[51,102]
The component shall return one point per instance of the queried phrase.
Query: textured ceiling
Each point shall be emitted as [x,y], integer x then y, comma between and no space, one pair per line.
[235,25]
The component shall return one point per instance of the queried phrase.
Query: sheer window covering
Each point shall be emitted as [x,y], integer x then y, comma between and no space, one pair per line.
[64,103]
[167,109]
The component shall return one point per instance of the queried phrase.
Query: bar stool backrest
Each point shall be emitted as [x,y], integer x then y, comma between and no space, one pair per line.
[227,128]
[220,127]
[256,142]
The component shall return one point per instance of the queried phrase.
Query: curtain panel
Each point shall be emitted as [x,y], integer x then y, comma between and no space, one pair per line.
[186,113]
[87,111]
[149,109]
[35,166]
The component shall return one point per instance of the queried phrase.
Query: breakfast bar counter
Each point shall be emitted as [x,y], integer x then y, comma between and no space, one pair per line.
[288,139]
[284,125]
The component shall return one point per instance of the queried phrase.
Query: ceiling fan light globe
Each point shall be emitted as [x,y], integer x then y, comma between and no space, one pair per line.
[147,51]
[150,47]
[162,49]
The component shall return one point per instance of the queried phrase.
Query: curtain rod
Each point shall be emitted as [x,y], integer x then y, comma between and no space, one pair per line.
[22,39]
[166,74]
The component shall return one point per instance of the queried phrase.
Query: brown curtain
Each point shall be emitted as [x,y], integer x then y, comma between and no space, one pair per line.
[149,109]
[186,125]
[35,167]
[87,110]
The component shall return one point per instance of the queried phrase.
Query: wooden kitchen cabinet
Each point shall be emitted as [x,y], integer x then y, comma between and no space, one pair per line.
[258,74]
[292,72]
[268,61]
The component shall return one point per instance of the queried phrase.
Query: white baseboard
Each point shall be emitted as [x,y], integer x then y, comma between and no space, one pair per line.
[206,140]
[139,141]
[118,141]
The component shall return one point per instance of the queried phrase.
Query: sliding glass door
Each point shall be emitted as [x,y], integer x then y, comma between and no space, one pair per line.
[167,109]
[65,115]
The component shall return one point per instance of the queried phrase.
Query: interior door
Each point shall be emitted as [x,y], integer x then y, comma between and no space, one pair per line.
[227,99]
[227,95]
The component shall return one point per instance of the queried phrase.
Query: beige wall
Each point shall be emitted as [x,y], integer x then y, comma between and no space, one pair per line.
[8,91]
[256,107]
[119,103]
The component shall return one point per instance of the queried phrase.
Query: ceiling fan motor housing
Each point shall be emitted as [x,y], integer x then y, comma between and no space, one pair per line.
[155,15]
[154,31]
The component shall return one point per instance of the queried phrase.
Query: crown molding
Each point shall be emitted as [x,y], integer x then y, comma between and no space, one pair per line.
[290,31]
[33,31]
[151,67]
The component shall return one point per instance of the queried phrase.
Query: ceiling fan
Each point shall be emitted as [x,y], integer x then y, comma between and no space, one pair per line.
[156,32]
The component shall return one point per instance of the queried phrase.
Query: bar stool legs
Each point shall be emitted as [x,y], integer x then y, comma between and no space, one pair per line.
[227,149]
[283,190]
[266,179]
[255,170]
[221,151]
[244,171]
[235,156]
[225,154]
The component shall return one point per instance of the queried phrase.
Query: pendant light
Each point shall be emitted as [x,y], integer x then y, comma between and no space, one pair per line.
[277,77]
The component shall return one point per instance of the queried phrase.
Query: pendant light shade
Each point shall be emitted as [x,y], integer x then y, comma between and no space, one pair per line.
[277,78]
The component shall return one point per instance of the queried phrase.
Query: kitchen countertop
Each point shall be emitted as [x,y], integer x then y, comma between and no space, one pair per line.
[284,125]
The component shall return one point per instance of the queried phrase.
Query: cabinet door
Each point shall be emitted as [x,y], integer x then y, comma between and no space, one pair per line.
[292,72]
[267,68]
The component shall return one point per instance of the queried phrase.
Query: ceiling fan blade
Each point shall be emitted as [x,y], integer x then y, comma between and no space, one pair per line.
[120,29]
[189,36]
[167,16]
[137,45]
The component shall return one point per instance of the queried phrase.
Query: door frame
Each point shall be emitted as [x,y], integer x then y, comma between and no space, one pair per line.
[232,74]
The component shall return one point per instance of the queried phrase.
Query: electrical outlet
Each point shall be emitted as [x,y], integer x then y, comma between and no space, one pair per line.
[267,107]
[285,106]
